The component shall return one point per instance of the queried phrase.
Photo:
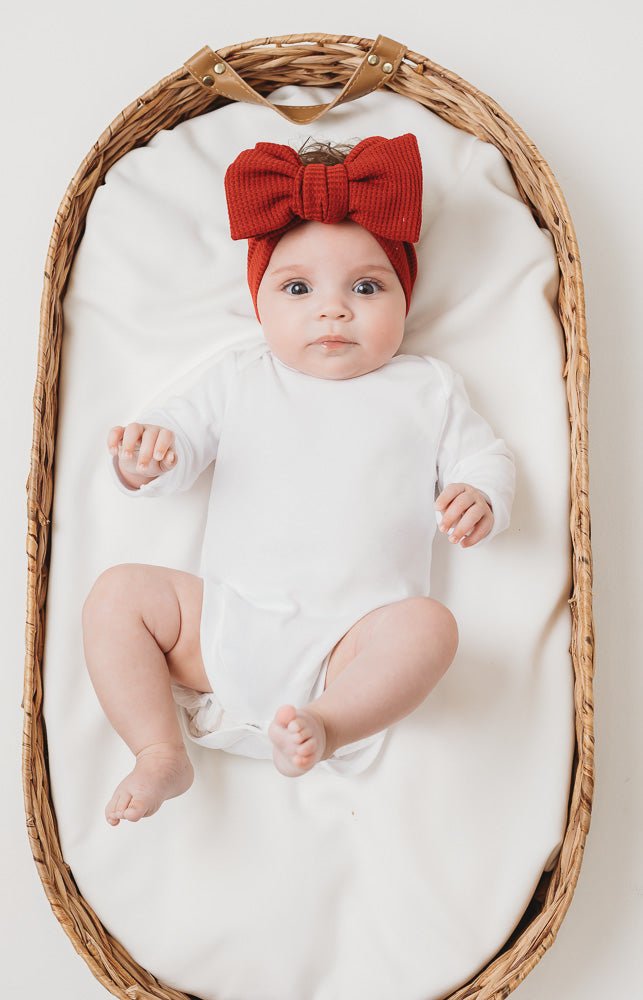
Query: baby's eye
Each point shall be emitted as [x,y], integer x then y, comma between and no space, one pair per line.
[368,281]
[295,283]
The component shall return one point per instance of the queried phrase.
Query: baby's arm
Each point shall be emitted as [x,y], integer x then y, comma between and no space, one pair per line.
[476,470]
[188,426]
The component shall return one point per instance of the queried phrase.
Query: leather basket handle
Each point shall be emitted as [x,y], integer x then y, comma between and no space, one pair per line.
[379,65]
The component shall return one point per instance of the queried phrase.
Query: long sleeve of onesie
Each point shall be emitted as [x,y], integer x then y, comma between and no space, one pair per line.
[470,452]
[196,418]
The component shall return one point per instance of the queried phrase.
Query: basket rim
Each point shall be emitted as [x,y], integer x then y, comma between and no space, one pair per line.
[459,102]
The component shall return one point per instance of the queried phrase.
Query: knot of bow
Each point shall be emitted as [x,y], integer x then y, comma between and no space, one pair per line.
[378,186]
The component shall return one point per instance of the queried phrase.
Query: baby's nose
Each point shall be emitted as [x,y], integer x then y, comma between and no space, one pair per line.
[335,312]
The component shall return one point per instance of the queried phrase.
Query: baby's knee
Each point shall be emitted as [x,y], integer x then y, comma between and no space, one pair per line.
[439,624]
[107,593]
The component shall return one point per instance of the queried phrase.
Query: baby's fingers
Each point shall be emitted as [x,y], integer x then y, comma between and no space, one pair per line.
[480,531]
[466,524]
[163,446]
[155,444]
[148,441]
[131,437]
[114,439]
[475,533]
[169,461]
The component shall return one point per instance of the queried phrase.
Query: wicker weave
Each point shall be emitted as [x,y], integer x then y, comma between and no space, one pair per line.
[266,64]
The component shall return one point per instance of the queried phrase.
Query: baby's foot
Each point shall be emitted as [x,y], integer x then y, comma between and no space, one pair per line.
[162,771]
[299,739]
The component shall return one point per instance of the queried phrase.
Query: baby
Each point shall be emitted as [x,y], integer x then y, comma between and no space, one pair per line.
[309,629]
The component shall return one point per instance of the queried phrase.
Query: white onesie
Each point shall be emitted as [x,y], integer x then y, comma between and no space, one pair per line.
[321,509]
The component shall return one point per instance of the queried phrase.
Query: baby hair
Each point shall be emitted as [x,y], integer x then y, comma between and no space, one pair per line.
[324,152]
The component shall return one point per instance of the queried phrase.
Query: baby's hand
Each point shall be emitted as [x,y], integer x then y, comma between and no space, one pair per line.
[153,444]
[468,510]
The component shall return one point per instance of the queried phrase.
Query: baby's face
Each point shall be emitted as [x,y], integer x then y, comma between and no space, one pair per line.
[331,281]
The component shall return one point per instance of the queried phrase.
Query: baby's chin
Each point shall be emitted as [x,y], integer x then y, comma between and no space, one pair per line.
[335,372]
[333,363]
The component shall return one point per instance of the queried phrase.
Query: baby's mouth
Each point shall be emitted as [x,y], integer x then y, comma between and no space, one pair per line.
[331,343]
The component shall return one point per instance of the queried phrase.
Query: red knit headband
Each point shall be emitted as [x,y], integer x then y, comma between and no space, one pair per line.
[378,185]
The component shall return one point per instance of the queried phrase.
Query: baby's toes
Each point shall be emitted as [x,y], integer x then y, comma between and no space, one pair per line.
[304,761]
[300,729]
[285,715]
[303,739]
[307,749]
[296,735]
[115,806]
[136,809]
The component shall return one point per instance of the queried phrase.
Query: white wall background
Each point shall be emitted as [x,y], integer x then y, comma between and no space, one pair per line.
[568,71]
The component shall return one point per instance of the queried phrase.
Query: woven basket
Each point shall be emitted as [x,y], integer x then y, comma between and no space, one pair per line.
[204,83]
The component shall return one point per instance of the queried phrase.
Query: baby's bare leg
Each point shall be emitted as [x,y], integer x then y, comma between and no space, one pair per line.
[140,631]
[392,658]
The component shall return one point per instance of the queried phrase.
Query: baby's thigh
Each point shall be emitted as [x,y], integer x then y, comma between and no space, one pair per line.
[169,601]
[416,619]
[185,658]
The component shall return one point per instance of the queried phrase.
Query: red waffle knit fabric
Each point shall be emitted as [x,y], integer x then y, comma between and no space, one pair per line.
[378,185]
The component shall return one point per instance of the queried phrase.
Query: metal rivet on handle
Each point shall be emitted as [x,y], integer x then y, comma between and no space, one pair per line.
[219,68]
[373,59]
[387,67]
[208,81]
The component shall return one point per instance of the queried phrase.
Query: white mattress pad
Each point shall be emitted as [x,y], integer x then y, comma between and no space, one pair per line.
[404,880]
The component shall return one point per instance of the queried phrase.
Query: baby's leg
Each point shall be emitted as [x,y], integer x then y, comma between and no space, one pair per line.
[382,669]
[141,630]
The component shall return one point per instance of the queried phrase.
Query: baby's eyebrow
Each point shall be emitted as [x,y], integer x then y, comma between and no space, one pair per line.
[361,267]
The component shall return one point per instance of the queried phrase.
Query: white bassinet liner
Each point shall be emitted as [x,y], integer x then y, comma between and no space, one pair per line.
[406,879]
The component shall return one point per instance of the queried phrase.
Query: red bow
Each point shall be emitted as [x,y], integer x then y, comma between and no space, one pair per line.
[378,186]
